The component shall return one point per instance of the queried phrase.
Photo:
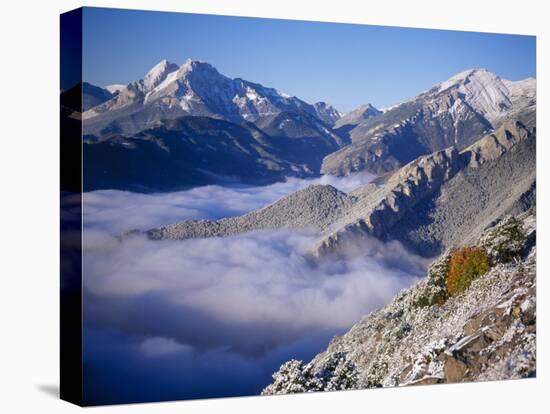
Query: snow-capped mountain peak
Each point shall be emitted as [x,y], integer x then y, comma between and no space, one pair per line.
[191,64]
[486,92]
[456,80]
[197,88]
[158,73]
[197,68]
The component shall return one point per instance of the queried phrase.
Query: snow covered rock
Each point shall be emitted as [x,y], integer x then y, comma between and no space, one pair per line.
[158,74]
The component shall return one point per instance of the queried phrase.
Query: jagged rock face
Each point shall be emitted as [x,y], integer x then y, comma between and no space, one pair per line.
[404,133]
[442,199]
[129,97]
[488,332]
[494,145]
[401,193]
[158,74]
[456,112]
[483,191]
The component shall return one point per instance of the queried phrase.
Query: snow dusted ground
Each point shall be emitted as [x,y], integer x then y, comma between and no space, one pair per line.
[486,333]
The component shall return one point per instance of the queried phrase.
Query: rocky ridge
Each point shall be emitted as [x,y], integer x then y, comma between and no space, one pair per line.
[380,207]
[357,116]
[315,207]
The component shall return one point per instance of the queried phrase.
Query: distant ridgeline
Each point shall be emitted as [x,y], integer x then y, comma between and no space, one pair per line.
[189,125]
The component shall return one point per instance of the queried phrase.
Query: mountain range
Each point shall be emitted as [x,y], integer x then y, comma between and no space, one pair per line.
[433,203]
[189,125]
[195,88]
[456,112]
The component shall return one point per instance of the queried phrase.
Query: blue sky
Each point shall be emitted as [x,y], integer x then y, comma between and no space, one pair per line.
[343,64]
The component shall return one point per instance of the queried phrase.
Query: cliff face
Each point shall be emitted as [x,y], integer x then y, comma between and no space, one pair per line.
[427,336]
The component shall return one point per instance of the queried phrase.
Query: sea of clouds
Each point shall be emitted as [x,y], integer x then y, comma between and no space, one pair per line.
[215,317]
[118,211]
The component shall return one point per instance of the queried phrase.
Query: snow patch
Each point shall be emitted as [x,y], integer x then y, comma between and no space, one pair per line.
[115,87]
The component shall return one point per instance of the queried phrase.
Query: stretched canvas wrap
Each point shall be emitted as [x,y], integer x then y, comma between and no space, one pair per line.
[259,206]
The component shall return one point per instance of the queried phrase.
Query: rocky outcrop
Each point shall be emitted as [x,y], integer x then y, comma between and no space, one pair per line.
[492,146]
[488,332]
[491,185]
[326,113]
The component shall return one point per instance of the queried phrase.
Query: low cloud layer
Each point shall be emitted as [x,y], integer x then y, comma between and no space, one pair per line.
[256,299]
[118,211]
[247,292]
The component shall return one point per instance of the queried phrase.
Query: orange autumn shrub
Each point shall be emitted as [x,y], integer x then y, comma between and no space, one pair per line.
[466,264]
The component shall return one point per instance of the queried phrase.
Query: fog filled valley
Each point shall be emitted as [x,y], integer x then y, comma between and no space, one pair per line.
[237,240]
[218,316]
